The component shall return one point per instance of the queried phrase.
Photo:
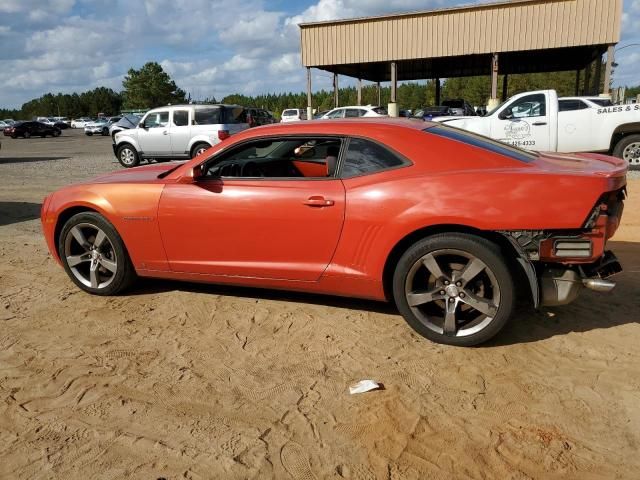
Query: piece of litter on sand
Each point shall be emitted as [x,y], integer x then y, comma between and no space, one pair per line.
[364,386]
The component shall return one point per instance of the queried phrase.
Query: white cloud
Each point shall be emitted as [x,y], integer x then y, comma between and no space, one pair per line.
[207,46]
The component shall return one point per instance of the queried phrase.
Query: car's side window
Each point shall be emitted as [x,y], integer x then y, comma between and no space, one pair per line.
[352,112]
[336,113]
[181,118]
[283,158]
[529,106]
[157,119]
[570,105]
[364,156]
[207,116]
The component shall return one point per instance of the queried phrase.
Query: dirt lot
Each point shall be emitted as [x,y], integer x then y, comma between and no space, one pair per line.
[188,381]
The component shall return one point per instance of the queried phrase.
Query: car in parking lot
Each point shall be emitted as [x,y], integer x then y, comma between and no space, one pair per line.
[31,129]
[80,122]
[259,116]
[4,125]
[99,127]
[354,112]
[441,221]
[178,132]
[293,115]
[459,107]
[124,123]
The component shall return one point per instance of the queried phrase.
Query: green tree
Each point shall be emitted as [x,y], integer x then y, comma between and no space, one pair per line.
[150,87]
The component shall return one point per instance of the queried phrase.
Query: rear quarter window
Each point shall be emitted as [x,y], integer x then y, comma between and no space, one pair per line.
[207,116]
[365,157]
[234,115]
[481,142]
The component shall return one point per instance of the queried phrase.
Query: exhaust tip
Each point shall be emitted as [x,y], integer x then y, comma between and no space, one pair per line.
[598,284]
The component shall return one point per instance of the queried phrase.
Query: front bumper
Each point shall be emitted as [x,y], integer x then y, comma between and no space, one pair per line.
[93,129]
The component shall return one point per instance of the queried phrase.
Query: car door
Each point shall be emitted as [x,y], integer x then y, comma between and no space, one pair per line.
[180,131]
[240,220]
[575,126]
[153,134]
[524,123]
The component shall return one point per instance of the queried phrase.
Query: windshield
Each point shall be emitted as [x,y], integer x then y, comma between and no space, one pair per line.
[453,103]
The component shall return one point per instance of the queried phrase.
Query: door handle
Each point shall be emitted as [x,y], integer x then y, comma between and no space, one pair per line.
[539,124]
[165,133]
[318,201]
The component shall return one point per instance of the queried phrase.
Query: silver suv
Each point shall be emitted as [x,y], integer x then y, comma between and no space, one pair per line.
[178,132]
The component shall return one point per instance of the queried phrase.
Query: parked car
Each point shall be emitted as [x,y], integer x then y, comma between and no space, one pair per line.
[354,112]
[436,219]
[10,121]
[4,125]
[317,115]
[429,113]
[538,120]
[80,122]
[31,129]
[459,107]
[293,115]
[259,116]
[178,132]
[125,123]
[99,127]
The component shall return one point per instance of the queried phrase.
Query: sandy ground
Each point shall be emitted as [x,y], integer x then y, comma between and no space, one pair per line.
[178,380]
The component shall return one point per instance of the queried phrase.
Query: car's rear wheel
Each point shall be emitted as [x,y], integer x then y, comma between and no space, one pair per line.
[198,148]
[128,156]
[88,134]
[105,132]
[94,255]
[629,149]
[26,135]
[56,133]
[454,289]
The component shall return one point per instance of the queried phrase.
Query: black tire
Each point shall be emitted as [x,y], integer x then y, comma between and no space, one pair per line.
[495,271]
[633,157]
[56,133]
[128,156]
[199,148]
[125,273]
[105,132]
[88,134]
[26,135]
[14,136]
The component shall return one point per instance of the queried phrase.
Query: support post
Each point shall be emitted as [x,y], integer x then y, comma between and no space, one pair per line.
[587,80]
[493,101]
[438,87]
[598,75]
[577,83]
[309,99]
[607,71]
[335,91]
[505,87]
[379,95]
[393,105]
[359,91]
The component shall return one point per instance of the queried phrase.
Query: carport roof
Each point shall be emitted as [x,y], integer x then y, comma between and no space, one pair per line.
[529,36]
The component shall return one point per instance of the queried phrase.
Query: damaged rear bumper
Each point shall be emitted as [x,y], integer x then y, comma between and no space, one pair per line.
[561,285]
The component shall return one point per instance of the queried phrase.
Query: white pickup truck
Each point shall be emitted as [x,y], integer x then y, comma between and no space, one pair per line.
[541,121]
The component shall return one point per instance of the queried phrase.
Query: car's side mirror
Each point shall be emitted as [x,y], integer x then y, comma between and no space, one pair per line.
[506,114]
[142,125]
[193,175]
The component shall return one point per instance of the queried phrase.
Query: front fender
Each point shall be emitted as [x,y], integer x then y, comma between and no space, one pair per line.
[131,209]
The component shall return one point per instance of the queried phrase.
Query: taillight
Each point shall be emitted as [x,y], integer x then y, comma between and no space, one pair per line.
[222,134]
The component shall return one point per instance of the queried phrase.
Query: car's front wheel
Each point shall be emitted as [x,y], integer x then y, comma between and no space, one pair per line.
[94,255]
[26,134]
[128,156]
[105,132]
[454,289]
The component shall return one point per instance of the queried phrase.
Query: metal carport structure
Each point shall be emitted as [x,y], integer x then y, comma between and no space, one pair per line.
[519,36]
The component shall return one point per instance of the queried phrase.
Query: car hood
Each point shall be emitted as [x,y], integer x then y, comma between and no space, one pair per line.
[581,164]
[144,174]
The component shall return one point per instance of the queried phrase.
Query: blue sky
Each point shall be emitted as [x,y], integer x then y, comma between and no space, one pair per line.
[210,47]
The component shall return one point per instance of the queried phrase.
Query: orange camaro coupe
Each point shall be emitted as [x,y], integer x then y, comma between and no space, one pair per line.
[453,227]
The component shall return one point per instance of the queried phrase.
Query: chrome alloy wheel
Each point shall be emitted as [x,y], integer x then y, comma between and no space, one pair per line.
[90,255]
[452,292]
[632,154]
[127,156]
